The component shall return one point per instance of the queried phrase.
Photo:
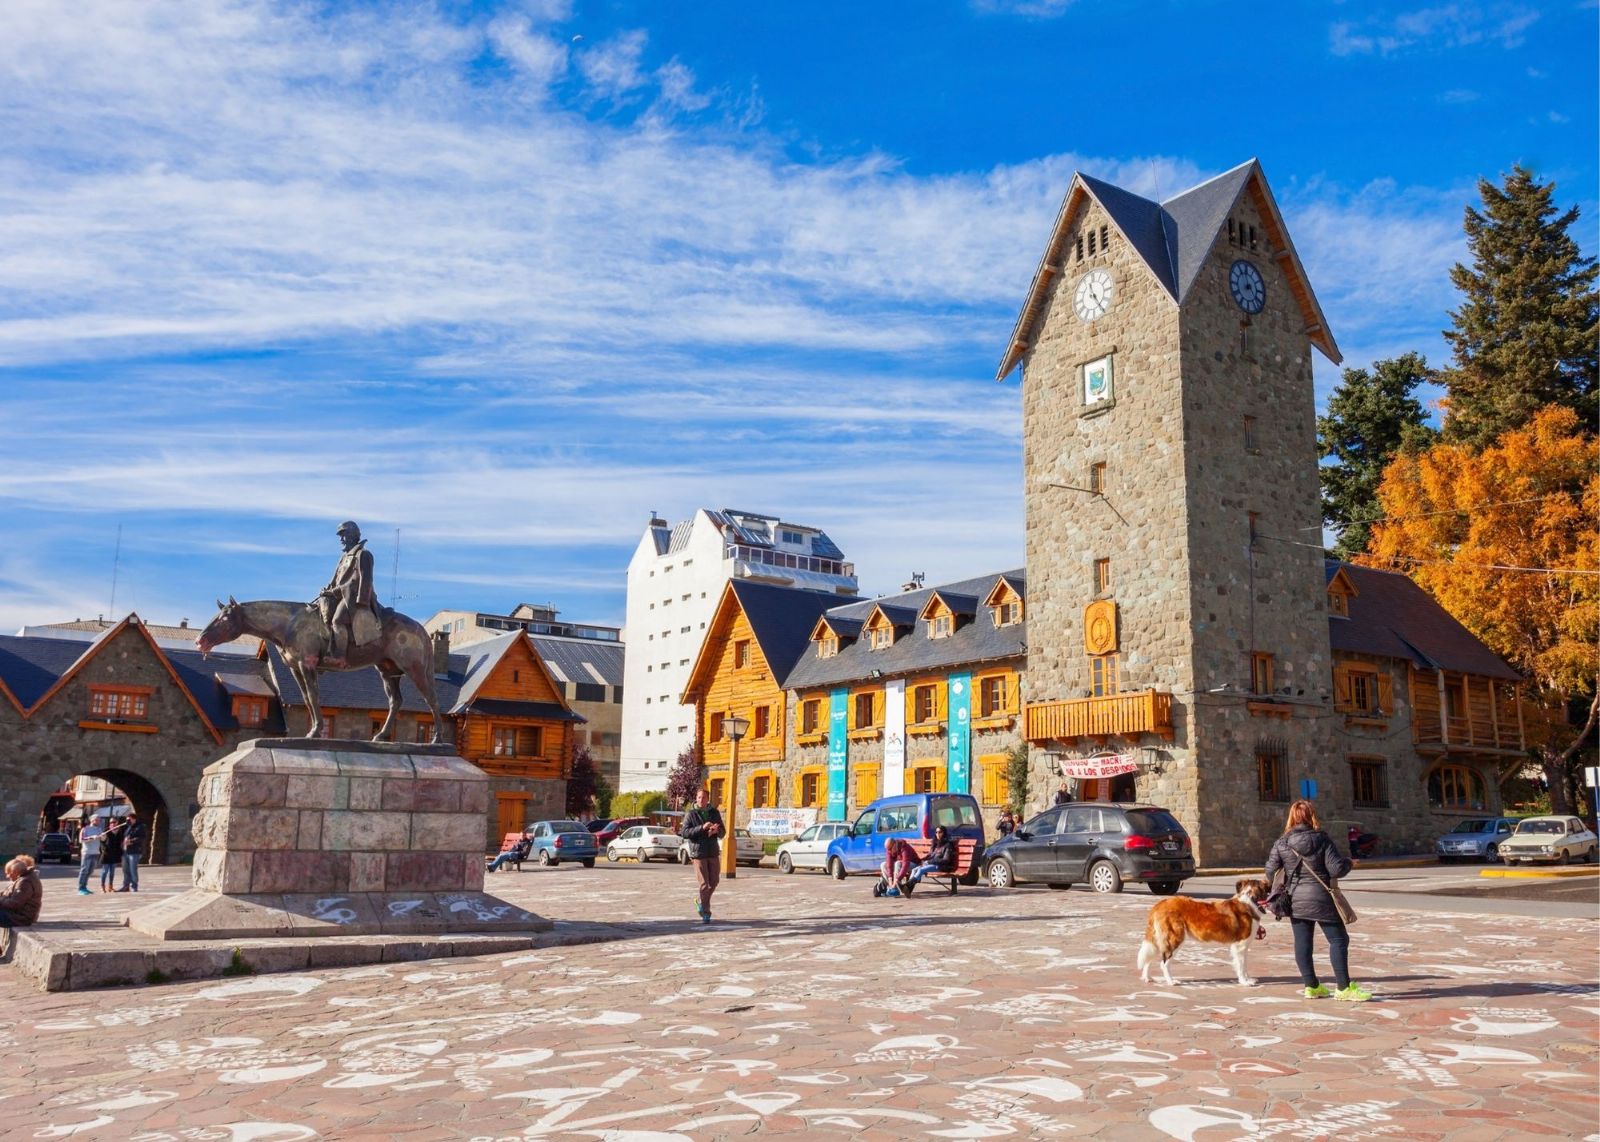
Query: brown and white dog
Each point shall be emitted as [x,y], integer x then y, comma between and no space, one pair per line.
[1233,922]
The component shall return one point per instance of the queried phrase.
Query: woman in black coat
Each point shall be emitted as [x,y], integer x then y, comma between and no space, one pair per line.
[1305,849]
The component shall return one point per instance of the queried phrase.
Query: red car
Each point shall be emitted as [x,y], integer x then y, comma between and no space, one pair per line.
[607,831]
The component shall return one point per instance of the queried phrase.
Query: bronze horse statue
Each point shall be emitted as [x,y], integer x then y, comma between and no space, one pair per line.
[403,649]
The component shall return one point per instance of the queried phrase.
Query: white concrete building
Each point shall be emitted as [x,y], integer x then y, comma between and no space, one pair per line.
[674,582]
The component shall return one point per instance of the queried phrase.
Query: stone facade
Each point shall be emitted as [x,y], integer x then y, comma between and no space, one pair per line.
[1199,524]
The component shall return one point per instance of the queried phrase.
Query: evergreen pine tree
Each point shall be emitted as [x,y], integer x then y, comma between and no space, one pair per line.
[1371,417]
[1524,336]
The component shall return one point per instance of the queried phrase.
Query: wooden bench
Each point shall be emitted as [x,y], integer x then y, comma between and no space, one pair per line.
[507,843]
[965,850]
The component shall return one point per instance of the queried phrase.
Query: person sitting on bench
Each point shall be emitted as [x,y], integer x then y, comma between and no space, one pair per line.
[941,858]
[898,857]
[516,854]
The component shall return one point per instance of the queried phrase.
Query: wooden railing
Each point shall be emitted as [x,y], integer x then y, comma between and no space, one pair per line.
[1145,712]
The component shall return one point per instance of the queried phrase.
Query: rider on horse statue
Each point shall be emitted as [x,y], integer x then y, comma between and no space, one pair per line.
[347,604]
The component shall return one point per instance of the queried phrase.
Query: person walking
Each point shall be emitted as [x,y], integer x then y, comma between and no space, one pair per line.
[701,827]
[89,853]
[133,839]
[110,855]
[1304,852]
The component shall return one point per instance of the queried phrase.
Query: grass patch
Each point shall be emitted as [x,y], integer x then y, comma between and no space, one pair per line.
[237,965]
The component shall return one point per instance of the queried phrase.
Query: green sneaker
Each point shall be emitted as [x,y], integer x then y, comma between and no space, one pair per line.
[1355,993]
[1318,992]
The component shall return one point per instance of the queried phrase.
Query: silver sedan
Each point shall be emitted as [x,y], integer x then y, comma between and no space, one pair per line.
[643,843]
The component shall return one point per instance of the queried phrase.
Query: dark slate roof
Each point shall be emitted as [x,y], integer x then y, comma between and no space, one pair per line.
[958,603]
[570,658]
[201,678]
[843,627]
[781,619]
[1142,223]
[1392,617]
[512,708]
[972,643]
[31,666]
[363,689]
[899,616]
[1192,221]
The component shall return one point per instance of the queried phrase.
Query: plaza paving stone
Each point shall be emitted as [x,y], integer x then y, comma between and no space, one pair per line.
[809,1008]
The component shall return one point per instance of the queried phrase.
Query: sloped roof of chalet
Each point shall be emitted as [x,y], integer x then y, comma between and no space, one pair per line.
[1173,239]
[841,626]
[32,669]
[581,660]
[1392,617]
[363,689]
[958,603]
[897,615]
[974,642]
[29,667]
[781,620]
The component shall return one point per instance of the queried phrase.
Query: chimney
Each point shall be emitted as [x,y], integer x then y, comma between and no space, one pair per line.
[441,652]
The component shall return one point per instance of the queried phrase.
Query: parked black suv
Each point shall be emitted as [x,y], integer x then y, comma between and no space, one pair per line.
[55,846]
[1098,842]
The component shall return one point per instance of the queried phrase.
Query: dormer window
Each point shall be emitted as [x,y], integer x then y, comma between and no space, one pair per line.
[941,626]
[1339,604]
[881,638]
[1008,614]
[828,646]
[249,711]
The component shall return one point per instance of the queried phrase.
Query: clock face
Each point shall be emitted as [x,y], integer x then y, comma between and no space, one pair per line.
[1093,296]
[1249,291]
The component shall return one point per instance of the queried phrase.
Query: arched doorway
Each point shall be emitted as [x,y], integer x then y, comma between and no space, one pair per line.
[118,790]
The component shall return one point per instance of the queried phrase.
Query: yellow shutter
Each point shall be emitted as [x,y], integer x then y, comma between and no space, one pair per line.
[909,782]
[1342,698]
[1385,694]
[941,701]
[940,775]
[866,785]
[911,704]
[1013,693]
[877,708]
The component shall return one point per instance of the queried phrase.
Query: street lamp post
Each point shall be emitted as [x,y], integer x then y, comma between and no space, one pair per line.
[733,728]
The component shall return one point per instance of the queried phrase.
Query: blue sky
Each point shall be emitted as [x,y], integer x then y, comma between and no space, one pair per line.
[509,276]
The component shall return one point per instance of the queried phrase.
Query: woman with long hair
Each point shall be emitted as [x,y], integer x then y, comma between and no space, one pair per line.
[1304,852]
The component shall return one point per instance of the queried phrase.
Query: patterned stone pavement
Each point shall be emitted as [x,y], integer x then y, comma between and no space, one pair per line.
[810,1008]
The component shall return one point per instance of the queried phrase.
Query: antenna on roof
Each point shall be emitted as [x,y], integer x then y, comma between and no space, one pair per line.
[917,578]
[116,563]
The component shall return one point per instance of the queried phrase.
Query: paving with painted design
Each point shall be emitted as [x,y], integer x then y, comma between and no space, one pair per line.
[810,1008]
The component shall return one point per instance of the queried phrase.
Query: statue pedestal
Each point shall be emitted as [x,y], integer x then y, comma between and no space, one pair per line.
[311,837]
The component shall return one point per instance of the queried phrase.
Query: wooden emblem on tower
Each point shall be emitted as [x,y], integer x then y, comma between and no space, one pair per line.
[1100,627]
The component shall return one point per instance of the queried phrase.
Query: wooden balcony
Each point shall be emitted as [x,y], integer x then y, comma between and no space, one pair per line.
[1145,712]
[1466,713]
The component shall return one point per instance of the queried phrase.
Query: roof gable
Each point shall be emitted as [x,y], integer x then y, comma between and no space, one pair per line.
[93,649]
[1173,240]
[782,621]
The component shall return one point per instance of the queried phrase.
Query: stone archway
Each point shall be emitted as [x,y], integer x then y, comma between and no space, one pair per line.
[147,801]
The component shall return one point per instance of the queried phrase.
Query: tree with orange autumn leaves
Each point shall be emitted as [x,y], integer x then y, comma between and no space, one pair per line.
[1505,540]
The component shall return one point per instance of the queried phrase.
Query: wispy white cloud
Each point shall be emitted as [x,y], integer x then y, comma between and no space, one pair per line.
[1435,28]
[508,292]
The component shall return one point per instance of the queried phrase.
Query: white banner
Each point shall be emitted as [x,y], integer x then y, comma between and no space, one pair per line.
[1088,767]
[781,822]
[893,779]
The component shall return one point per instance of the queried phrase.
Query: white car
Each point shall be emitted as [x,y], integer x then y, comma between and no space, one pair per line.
[810,848]
[644,843]
[1556,839]
[750,851]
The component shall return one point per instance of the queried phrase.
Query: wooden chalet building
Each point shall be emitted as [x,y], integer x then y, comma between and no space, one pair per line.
[148,719]
[917,691]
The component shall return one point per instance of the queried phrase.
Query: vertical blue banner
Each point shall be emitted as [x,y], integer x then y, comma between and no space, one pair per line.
[958,758]
[838,753]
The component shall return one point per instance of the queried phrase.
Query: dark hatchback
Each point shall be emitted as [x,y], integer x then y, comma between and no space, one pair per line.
[1099,843]
[56,846]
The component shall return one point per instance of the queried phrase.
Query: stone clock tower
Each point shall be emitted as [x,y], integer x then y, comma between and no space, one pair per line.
[1177,627]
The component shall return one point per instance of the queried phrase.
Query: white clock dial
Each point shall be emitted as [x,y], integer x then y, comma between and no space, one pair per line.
[1093,295]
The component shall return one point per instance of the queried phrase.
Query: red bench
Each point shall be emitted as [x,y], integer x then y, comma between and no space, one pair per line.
[507,843]
[965,851]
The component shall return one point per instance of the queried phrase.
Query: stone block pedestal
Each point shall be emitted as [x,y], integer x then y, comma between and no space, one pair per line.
[309,837]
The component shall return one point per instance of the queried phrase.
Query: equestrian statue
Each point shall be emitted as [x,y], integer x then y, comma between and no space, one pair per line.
[346,628]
